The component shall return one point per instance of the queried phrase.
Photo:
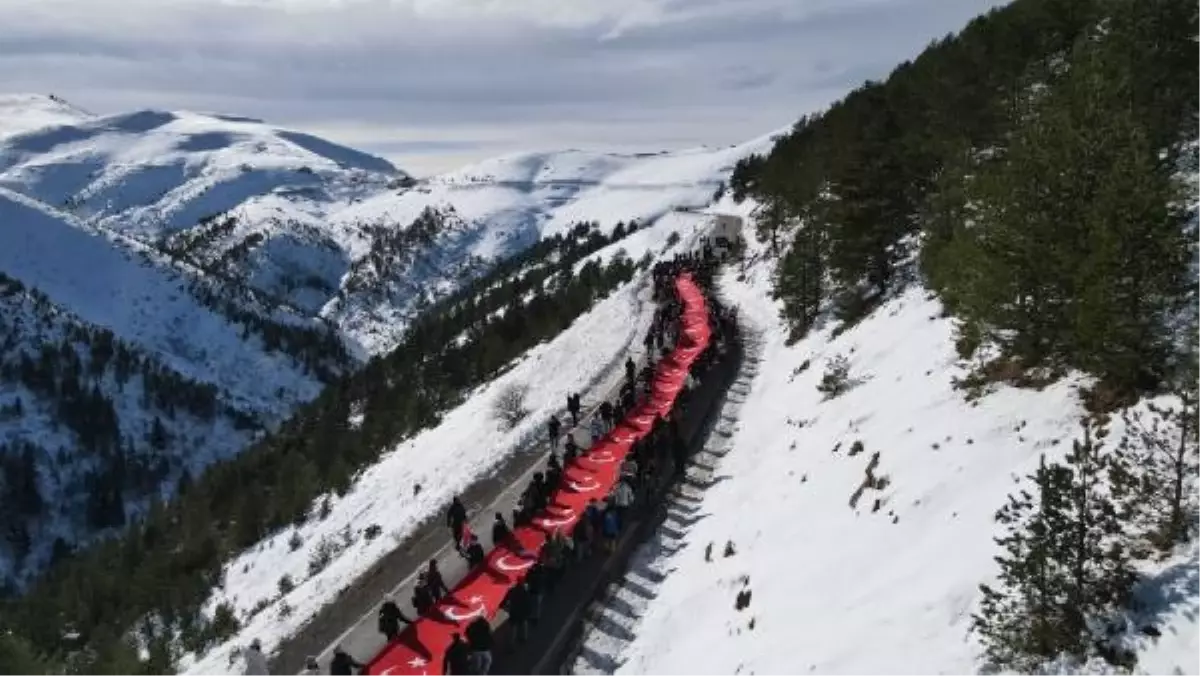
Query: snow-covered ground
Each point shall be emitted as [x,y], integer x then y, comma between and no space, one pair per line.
[109,217]
[884,583]
[467,445]
[20,113]
[306,210]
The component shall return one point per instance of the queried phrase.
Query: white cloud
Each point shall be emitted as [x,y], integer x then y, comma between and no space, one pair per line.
[480,76]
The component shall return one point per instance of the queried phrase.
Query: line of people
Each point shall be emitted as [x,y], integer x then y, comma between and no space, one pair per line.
[652,464]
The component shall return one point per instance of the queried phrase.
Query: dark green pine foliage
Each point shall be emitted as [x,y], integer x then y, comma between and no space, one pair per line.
[1064,573]
[858,177]
[1077,253]
[801,280]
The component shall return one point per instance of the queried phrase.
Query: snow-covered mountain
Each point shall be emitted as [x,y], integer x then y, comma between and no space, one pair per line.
[254,263]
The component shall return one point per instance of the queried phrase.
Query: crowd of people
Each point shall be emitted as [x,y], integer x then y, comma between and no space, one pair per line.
[654,462]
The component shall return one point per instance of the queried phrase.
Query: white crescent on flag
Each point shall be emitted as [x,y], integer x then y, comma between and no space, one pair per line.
[502,564]
[478,610]
[602,457]
[588,485]
[561,520]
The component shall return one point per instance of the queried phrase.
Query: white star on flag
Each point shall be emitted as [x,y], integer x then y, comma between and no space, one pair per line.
[417,662]
[475,599]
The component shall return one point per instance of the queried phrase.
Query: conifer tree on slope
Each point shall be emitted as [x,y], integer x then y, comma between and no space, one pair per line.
[1078,254]
[1166,437]
[1064,572]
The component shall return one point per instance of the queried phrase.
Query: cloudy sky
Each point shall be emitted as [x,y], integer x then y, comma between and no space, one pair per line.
[434,84]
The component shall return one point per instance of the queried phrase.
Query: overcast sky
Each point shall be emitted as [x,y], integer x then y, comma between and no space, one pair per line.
[434,84]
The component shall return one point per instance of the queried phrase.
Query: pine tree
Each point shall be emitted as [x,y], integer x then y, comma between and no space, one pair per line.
[800,281]
[1064,566]
[1168,463]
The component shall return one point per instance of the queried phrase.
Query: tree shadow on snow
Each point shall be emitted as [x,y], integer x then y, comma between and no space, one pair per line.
[1174,589]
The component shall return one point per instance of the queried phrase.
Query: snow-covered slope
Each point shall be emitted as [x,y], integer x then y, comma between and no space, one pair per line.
[845,579]
[261,261]
[466,445]
[297,218]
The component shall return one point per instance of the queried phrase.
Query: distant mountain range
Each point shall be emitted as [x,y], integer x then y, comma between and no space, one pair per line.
[174,283]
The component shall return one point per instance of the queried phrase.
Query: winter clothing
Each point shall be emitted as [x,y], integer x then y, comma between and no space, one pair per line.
[479,634]
[475,553]
[456,519]
[437,586]
[343,664]
[422,598]
[458,657]
[623,494]
[500,531]
[390,618]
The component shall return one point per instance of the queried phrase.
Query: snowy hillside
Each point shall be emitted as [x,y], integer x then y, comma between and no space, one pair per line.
[297,219]
[139,426]
[256,261]
[444,460]
[861,526]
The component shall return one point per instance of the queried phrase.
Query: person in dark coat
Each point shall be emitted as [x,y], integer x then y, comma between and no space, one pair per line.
[606,414]
[500,531]
[437,585]
[422,598]
[555,427]
[573,405]
[343,664]
[479,635]
[390,619]
[630,369]
[581,538]
[541,491]
[475,554]
[519,604]
[535,583]
[456,518]
[571,450]
[553,472]
[458,657]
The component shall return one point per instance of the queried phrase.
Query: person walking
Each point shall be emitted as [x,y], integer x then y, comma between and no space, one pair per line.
[555,427]
[390,618]
[519,603]
[343,664]
[456,519]
[535,583]
[597,428]
[479,635]
[500,531]
[581,538]
[554,558]
[611,528]
[458,656]
[422,598]
[574,406]
[570,450]
[437,585]
[475,553]
[256,661]
[622,500]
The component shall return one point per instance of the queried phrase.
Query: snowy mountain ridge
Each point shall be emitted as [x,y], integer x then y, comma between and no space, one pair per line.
[254,261]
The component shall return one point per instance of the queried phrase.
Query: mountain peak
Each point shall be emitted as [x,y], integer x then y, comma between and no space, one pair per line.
[20,113]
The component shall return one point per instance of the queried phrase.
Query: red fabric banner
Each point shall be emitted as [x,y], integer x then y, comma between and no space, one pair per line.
[421,647]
